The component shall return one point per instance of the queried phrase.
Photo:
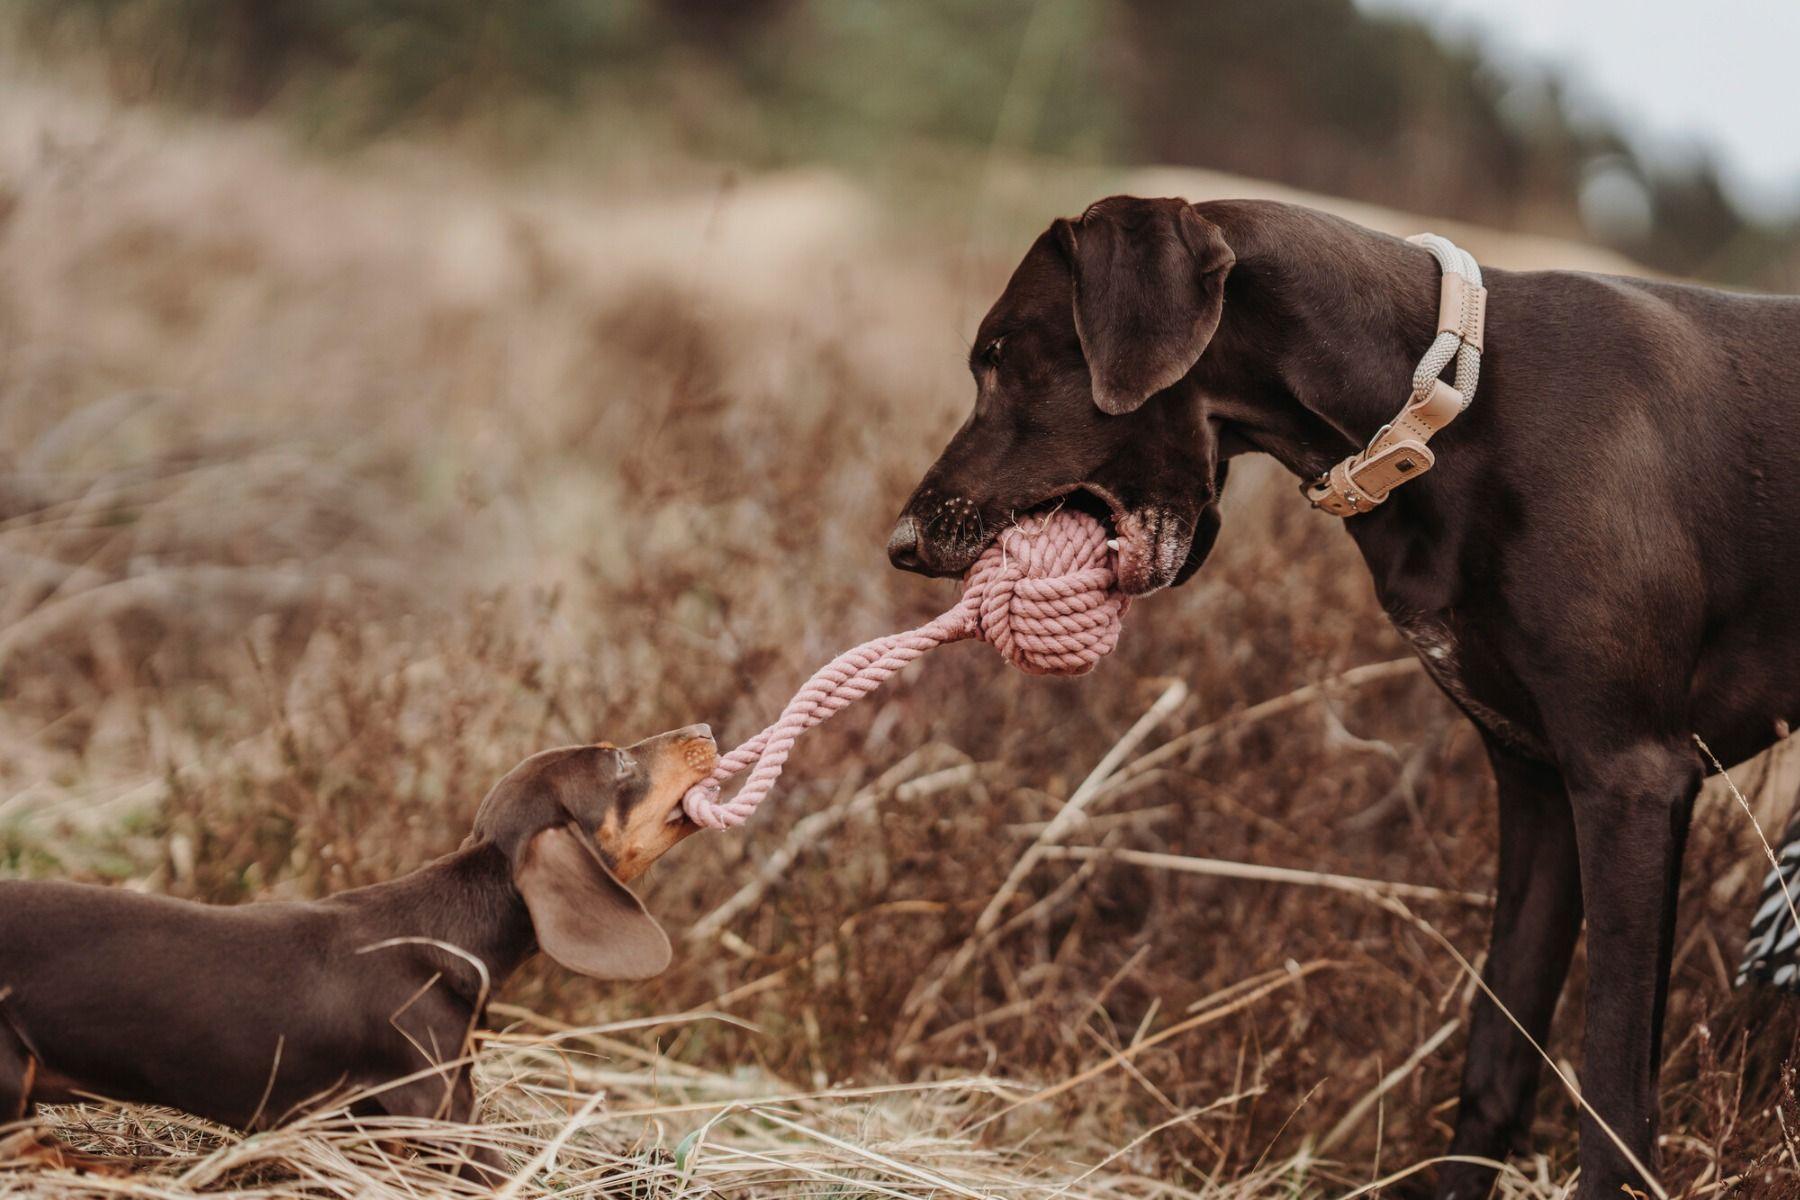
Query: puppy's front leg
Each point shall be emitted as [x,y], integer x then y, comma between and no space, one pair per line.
[484,1166]
[428,1098]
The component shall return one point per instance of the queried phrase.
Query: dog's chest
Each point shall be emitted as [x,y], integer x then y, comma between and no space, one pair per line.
[1441,650]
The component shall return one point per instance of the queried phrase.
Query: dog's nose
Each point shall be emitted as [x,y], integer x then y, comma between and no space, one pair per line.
[905,549]
[695,731]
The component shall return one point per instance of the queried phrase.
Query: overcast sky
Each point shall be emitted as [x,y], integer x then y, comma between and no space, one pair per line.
[1674,73]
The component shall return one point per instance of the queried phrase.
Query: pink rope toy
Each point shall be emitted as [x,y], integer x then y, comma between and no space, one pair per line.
[1044,595]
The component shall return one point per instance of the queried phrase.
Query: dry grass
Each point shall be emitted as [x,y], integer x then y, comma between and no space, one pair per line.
[577,1112]
[331,489]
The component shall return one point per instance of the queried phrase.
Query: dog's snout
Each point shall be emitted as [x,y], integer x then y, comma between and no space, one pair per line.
[697,749]
[906,547]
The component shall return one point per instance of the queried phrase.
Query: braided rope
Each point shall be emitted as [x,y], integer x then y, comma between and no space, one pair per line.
[1044,595]
[1452,260]
[1342,491]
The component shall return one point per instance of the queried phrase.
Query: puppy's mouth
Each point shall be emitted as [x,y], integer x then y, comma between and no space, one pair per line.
[1149,544]
[699,755]
[685,758]
[689,761]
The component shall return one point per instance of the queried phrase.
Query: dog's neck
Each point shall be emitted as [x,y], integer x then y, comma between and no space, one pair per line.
[465,899]
[1323,324]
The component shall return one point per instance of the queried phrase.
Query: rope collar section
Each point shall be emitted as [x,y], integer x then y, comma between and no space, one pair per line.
[1044,595]
[1399,451]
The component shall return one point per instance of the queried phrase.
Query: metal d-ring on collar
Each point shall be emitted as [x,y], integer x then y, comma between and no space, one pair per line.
[1400,451]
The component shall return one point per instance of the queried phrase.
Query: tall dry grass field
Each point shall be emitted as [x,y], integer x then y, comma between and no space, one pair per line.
[332,487]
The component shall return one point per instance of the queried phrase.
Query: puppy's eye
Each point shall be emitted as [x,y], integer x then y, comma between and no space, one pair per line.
[990,353]
[625,765]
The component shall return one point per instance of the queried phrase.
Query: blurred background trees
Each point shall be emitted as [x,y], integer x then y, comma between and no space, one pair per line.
[1320,94]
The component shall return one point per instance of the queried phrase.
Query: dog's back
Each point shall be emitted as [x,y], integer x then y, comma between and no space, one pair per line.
[1652,426]
[93,976]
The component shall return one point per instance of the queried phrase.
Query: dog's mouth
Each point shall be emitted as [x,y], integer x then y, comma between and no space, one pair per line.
[1153,546]
[675,761]
[685,759]
[688,762]
[699,755]
[1149,545]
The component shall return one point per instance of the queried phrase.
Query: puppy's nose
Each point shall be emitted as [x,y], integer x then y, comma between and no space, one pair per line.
[906,548]
[695,731]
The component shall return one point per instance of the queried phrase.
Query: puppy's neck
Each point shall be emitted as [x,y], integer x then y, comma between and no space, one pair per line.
[1323,324]
[465,899]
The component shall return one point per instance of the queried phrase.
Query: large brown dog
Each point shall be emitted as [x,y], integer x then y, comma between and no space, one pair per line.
[1603,563]
[254,1014]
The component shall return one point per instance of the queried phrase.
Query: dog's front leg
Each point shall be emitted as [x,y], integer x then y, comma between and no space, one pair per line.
[453,1101]
[1631,819]
[1537,917]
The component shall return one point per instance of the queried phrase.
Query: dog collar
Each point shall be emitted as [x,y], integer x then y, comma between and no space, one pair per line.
[1399,451]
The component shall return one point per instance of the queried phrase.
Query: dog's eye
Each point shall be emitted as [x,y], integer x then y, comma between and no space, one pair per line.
[990,353]
[625,765]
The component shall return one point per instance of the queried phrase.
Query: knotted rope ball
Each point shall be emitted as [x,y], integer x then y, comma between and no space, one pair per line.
[1044,595]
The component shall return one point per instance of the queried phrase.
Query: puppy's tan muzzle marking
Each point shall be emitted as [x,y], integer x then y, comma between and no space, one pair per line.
[676,761]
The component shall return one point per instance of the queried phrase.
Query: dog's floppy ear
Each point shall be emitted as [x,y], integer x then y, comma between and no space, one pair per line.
[1149,290]
[585,919]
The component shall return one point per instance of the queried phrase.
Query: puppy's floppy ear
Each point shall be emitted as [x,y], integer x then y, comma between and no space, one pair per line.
[1149,291]
[586,919]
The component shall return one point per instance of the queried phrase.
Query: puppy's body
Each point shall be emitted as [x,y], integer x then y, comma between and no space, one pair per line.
[251,1015]
[259,1011]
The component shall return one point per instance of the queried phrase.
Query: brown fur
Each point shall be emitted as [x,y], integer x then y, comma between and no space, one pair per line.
[252,1015]
[1601,566]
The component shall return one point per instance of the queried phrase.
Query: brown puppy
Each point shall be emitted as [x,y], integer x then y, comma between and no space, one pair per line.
[251,1015]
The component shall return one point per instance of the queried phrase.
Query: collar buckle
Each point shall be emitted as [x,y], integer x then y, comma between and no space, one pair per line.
[1399,451]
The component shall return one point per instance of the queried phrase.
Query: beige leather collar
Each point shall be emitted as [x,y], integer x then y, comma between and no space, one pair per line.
[1400,450]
